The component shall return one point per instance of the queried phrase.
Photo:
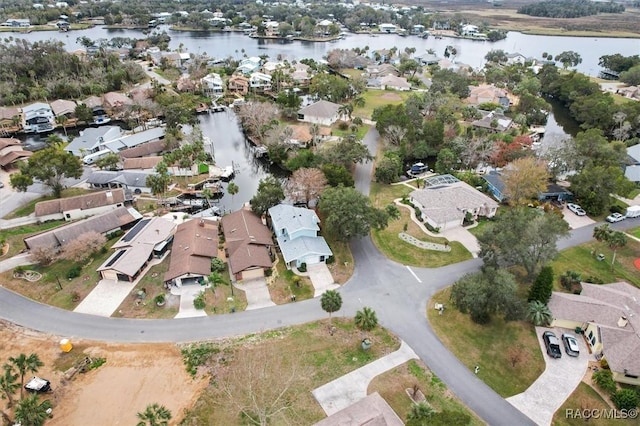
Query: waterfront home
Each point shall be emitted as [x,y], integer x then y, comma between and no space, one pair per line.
[394,83]
[98,111]
[553,191]
[105,224]
[63,107]
[195,244]
[38,118]
[133,182]
[81,206]
[143,150]
[322,112]
[387,28]
[445,201]
[269,67]
[301,73]
[493,121]
[260,81]
[212,85]
[296,230]
[248,244]
[488,93]
[16,23]
[149,238]
[132,140]
[11,152]
[238,84]
[469,30]
[10,119]
[427,58]
[90,140]
[516,58]
[271,28]
[114,102]
[249,65]
[141,163]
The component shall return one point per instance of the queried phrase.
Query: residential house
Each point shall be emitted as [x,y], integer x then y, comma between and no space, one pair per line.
[38,118]
[387,28]
[149,238]
[323,26]
[11,151]
[133,182]
[445,201]
[105,224]
[132,140]
[10,119]
[301,74]
[632,171]
[427,59]
[493,121]
[516,58]
[16,23]
[144,150]
[99,112]
[115,102]
[248,244]
[608,316]
[195,243]
[469,30]
[629,92]
[488,93]
[90,140]
[238,84]
[296,231]
[381,70]
[496,187]
[371,410]
[394,83]
[417,29]
[64,110]
[322,112]
[260,81]
[212,85]
[141,163]
[270,66]
[79,207]
[271,28]
[301,134]
[249,65]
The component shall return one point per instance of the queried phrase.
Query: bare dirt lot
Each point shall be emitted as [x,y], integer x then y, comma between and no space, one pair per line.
[132,377]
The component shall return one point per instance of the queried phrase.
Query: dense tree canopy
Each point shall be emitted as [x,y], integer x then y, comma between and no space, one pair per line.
[569,8]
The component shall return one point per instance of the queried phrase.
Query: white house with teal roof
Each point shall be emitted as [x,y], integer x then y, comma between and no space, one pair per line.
[296,231]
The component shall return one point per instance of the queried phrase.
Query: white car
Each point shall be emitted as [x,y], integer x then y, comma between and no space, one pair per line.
[615,217]
[576,209]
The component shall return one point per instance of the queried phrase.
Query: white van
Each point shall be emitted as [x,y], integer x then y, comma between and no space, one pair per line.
[633,211]
[92,158]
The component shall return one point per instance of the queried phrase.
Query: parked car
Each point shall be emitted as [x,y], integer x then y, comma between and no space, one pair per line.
[38,385]
[570,345]
[552,344]
[615,217]
[576,209]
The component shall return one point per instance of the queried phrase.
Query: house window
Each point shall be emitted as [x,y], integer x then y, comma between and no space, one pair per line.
[591,338]
[68,216]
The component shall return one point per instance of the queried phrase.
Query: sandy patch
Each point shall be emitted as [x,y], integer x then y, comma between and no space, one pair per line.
[133,377]
[391,96]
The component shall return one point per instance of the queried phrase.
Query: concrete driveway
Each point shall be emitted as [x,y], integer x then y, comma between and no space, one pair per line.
[558,381]
[187,294]
[468,240]
[321,278]
[257,293]
[105,298]
[574,220]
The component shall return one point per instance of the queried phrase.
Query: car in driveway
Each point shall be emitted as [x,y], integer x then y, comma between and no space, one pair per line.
[576,209]
[552,344]
[570,345]
[615,217]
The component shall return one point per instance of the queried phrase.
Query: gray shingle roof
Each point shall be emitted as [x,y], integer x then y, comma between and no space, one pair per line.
[124,177]
[321,109]
[82,202]
[90,139]
[303,246]
[285,216]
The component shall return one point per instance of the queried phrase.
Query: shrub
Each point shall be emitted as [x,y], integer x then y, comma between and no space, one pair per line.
[330,260]
[604,364]
[343,125]
[617,209]
[74,272]
[200,302]
[625,399]
[268,272]
[97,362]
[604,380]
[593,280]
[75,296]
[43,255]
[159,299]
[217,265]
[19,270]
[196,355]
[303,267]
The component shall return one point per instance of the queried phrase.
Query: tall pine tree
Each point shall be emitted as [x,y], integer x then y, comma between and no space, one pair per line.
[542,286]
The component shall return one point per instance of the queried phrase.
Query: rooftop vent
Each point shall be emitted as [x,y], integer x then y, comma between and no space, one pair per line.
[622,322]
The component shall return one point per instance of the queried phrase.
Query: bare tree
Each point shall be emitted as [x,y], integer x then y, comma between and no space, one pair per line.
[393,135]
[305,184]
[477,151]
[43,255]
[255,391]
[516,355]
[83,246]
[256,118]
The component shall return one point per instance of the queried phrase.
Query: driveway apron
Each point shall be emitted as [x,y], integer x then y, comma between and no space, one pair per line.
[321,278]
[257,293]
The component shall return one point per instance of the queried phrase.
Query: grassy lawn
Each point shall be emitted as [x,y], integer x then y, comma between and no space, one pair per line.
[351,72]
[284,285]
[30,207]
[393,247]
[308,351]
[393,384]
[585,398]
[14,236]
[360,134]
[376,98]
[635,232]
[47,290]
[489,347]
[480,227]
[581,260]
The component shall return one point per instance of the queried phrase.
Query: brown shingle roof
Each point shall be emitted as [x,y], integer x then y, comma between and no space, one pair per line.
[143,150]
[5,142]
[195,243]
[7,113]
[141,162]
[247,240]
[62,106]
[82,202]
[370,411]
[13,156]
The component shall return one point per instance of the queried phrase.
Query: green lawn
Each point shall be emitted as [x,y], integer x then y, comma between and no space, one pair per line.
[635,232]
[376,98]
[489,346]
[30,207]
[15,236]
[580,259]
[360,133]
[585,398]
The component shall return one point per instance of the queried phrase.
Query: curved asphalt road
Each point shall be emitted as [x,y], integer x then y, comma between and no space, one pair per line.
[391,289]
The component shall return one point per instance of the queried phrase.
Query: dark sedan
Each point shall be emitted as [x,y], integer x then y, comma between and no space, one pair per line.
[552,344]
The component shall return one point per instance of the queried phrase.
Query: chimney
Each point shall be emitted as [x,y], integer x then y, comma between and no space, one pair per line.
[623,321]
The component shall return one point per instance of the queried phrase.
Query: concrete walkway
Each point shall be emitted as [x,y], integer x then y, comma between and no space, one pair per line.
[21,259]
[352,387]
[107,295]
[257,293]
[187,293]
[558,381]
[321,278]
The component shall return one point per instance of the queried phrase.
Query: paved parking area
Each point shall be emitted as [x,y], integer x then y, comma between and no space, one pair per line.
[558,381]
[105,298]
[321,278]
[257,293]
[187,294]
[574,220]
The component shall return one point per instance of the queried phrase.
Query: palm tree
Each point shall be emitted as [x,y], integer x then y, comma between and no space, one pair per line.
[232,189]
[314,130]
[614,239]
[366,319]
[539,313]
[8,384]
[215,279]
[345,109]
[31,412]
[331,301]
[154,415]
[24,363]
[420,412]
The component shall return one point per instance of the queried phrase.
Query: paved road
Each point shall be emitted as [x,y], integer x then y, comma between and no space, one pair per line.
[398,294]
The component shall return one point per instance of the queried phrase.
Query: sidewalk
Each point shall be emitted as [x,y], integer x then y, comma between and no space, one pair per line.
[17,260]
[352,387]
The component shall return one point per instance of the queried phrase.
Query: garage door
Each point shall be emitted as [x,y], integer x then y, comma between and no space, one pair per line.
[251,274]
[109,275]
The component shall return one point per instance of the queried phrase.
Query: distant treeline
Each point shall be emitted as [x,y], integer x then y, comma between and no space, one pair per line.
[569,8]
